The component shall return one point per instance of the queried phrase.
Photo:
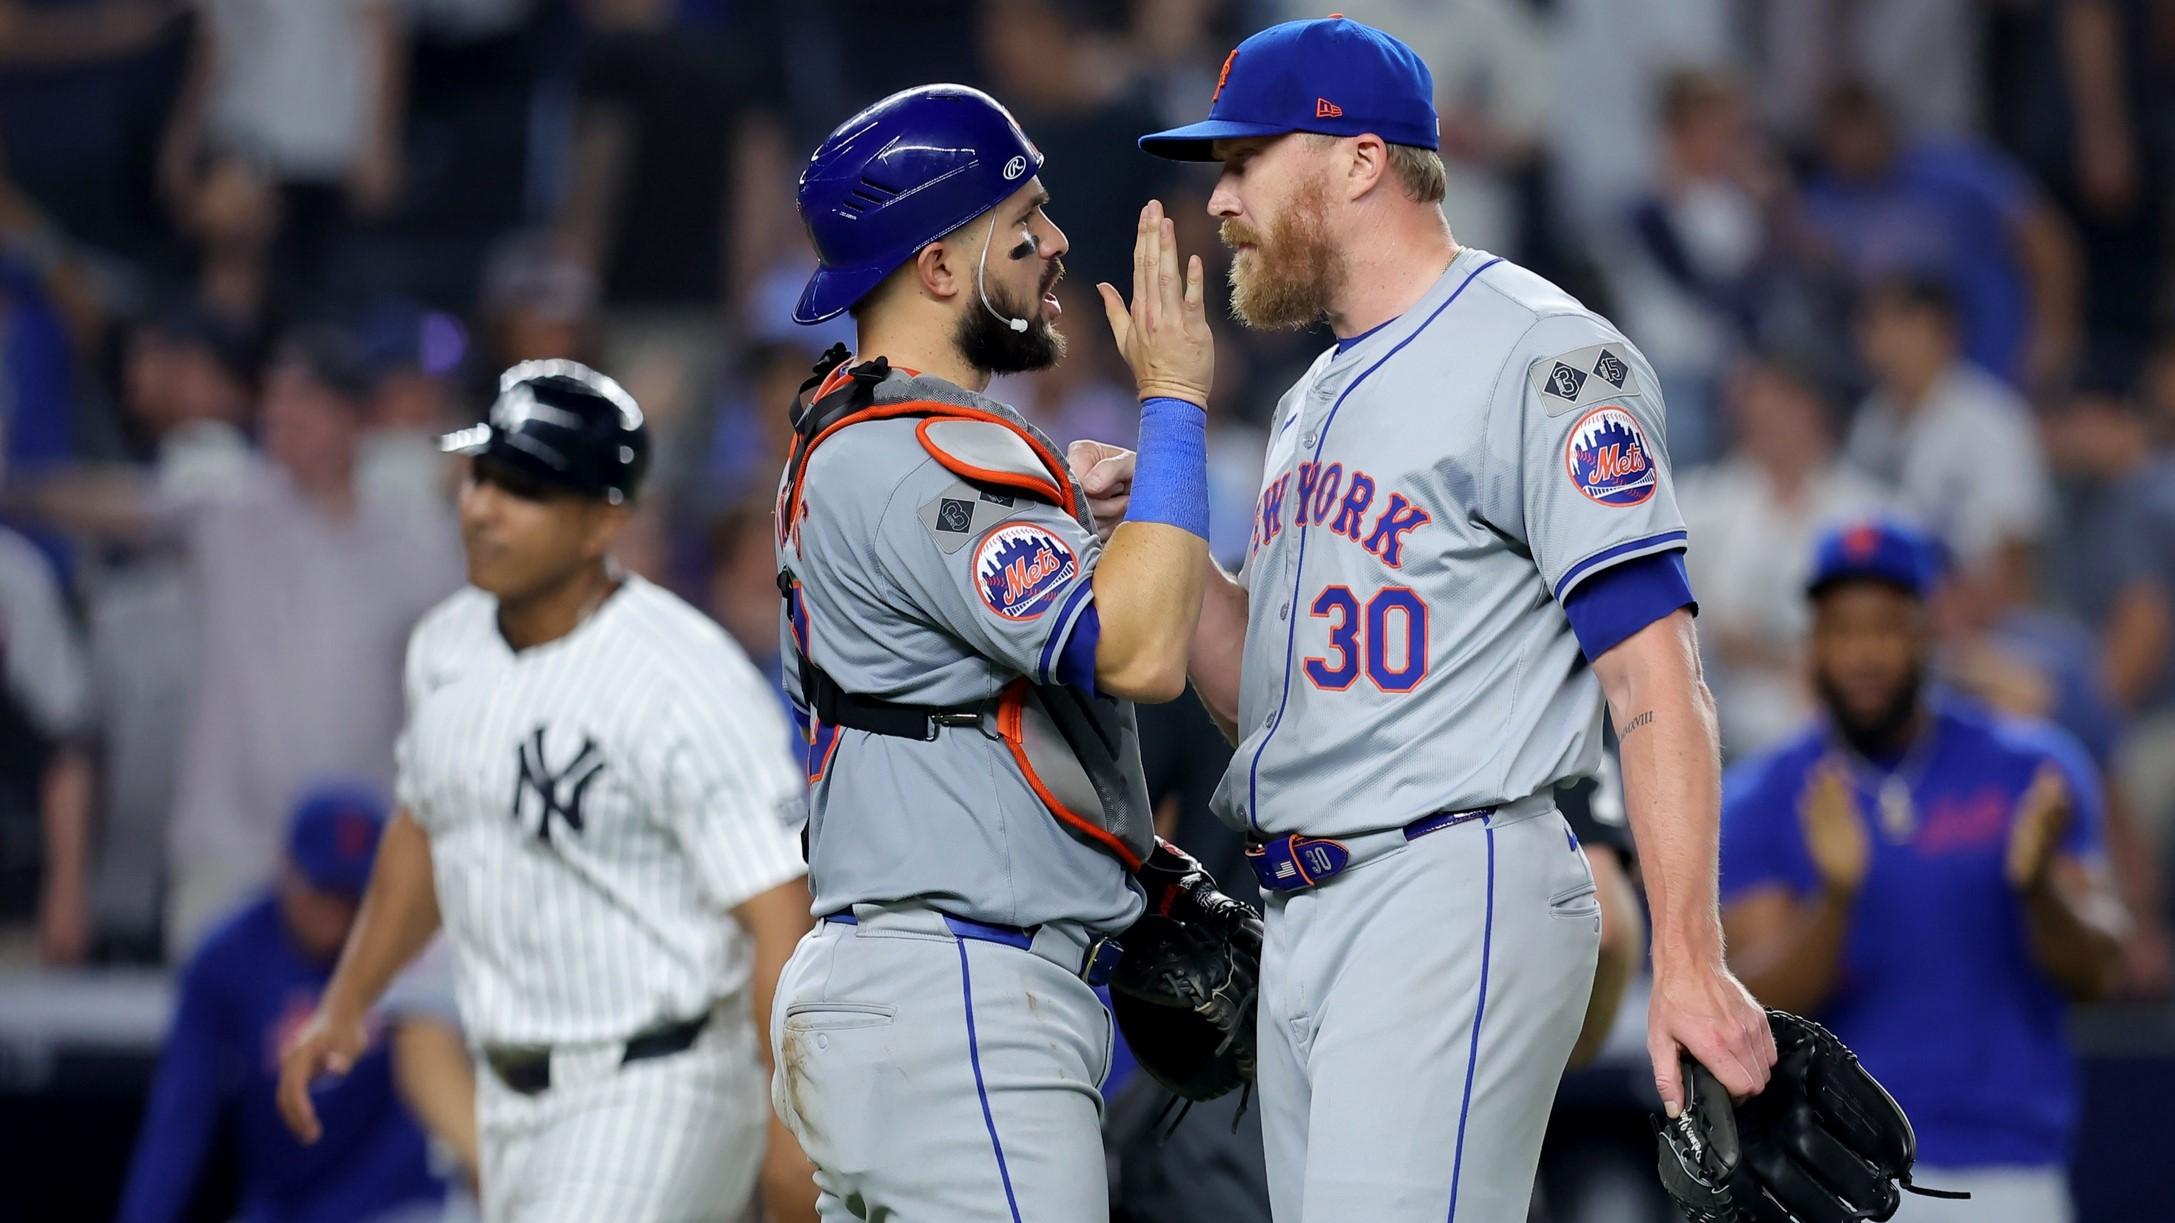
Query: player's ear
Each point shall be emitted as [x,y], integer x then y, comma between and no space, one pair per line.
[1368,162]
[603,526]
[938,270]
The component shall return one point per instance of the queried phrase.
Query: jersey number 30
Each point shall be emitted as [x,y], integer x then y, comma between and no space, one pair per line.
[1387,638]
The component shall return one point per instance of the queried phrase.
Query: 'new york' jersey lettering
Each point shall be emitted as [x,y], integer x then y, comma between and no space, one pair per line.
[1430,497]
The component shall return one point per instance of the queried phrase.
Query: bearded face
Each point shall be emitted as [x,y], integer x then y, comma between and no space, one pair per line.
[989,343]
[1285,278]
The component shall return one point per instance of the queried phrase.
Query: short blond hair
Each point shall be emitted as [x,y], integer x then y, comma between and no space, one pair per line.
[1420,172]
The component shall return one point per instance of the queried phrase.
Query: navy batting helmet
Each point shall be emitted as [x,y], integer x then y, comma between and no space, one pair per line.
[562,424]
[897,177]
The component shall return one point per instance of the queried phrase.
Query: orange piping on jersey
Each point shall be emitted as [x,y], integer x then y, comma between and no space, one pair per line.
[914,407]
[1010,711]
[1048,490]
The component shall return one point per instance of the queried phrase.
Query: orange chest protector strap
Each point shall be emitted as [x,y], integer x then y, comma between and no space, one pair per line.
[841,394]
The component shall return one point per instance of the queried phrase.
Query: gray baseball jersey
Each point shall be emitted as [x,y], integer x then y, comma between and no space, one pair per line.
[1432,493]
[919,588]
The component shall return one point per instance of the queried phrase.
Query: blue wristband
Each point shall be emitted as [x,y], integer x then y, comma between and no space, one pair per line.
[1170,478]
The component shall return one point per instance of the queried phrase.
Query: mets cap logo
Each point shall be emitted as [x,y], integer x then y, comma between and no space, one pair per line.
[1021,567]
[1608,458]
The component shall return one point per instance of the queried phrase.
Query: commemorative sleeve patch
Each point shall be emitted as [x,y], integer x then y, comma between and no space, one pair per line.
[1582,377]
[1608,459]
[962,511]
[1019,568]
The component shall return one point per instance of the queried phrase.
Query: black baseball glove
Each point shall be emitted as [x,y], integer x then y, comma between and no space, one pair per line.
[1184,992]
[1823,1143]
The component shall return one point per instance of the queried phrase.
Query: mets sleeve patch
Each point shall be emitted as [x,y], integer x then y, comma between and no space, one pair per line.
[1608,459]
[1021,568]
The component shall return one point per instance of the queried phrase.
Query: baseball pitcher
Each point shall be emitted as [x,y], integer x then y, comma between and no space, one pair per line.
[1466,547]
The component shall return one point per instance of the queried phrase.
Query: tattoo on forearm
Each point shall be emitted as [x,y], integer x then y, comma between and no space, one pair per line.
[1635,723]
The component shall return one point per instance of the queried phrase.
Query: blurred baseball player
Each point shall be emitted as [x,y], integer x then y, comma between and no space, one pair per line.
[1929,879]
[965,650]
[592,802]
[243,995]
[1466,546]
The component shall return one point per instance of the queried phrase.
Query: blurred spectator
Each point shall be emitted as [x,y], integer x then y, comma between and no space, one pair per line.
[188,382]
[309,96]
[749,419]
[743,596]
[2088,103]
[680,184]
[1039,55]
[243,996]
[49,33]
[45,769]
[1886,202]
[233,215]
[37,375]
[43,267]
[412,356]
[1175,48]
[538,300]
[1602,132]
[1928,55]
[2032,662]
[1953,443]
[300,590]
[85,87]
[2116,570]
[1755,515]
[304,593]
[1928,879]
[1696,271]
[1495,75]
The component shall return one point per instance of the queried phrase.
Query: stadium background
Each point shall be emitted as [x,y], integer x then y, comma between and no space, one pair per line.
[410,194]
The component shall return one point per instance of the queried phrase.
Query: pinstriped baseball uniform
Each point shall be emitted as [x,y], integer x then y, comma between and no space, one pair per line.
[595,807]
[1433,492]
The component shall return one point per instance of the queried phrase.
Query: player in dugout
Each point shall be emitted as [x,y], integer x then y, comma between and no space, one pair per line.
[1928,879]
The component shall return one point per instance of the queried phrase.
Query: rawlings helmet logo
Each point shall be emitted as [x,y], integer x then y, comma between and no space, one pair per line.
[1014,168]
[1020,569]
[1608,458]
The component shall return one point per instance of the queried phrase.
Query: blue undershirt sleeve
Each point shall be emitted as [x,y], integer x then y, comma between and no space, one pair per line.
[1611,605]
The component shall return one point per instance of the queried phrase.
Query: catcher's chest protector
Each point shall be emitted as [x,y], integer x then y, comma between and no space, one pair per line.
[1080,754]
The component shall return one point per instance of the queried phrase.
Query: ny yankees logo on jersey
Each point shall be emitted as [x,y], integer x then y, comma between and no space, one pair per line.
[557,794]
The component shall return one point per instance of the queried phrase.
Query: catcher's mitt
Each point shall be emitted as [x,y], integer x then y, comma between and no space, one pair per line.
[1823,1143]
[1184,993]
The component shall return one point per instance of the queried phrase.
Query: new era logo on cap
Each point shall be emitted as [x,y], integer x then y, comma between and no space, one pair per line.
[1264,88]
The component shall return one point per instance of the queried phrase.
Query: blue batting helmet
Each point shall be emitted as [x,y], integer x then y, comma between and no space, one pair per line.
[897,177]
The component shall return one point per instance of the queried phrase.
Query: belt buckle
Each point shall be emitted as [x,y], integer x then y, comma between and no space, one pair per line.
[1295,862]
[1101,960]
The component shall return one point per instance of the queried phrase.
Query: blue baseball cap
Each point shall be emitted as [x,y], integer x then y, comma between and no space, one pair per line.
[1882,549]
[1334,76]
[332,837]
